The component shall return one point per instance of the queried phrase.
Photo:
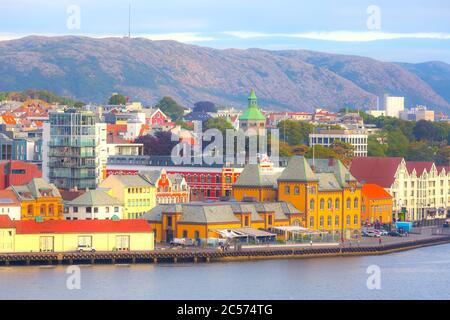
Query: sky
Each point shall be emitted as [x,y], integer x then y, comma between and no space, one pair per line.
[399,30]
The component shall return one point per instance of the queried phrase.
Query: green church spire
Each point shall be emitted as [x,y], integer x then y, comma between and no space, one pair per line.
[252,112]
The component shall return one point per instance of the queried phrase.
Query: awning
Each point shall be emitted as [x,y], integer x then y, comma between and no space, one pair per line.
[298,230]
[244,233]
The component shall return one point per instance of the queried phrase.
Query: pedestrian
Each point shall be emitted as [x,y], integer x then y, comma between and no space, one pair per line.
[311,243]
[379,241]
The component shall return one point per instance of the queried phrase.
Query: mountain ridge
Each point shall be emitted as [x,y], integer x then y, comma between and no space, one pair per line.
[90,69]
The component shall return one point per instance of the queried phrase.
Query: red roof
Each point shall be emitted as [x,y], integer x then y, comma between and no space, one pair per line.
[8,194]
[375,170]
[440,168]
[419,166]
[374,191]
[76,226]
[6,222]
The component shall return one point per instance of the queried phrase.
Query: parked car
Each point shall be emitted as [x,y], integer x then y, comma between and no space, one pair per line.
[396,234]
[372,233]
[85,248]
[182,242]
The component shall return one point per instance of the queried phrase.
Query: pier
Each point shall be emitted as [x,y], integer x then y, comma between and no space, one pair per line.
[210,255]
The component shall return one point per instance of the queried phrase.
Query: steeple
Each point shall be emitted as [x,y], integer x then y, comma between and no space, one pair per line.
[252,100]
[252,112]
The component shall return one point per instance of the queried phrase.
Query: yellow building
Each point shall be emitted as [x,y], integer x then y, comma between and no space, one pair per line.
[257,182]
[137,195]
[39,200]
[324,190]
[204,221]
[69,236]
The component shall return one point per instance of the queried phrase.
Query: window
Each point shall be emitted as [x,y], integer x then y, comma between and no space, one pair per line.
[330,204]
[107,209]
[270,220]
[88,209]
[95,209]
[116,209]
[329,221]
[348,220]
[287,190]
[349,204]
[311,204]
[336,221]
[321,221]
[169,221]
[197,235]
[246,222]
[75,209]
[356,203]
[311,222]
[185,234]
[322,204]
[297,190]
[355,219]
[336,204]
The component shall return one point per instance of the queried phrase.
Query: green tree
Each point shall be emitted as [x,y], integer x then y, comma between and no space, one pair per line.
[421,151]
[321,152]
[117,99]
[343,151]
[397,144]
[171,108]
[374,148]
[184,125]
[443,155]
[295,132]
[222,124]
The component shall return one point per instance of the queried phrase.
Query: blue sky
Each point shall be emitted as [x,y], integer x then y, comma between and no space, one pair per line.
[399,30]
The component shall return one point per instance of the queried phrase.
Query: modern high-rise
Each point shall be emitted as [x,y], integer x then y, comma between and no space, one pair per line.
[74,149]
[394,106]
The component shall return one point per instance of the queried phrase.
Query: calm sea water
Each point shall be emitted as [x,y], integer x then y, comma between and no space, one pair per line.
[418,274]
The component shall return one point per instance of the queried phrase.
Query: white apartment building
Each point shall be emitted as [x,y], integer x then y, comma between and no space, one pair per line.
[93,205]
[394,106]
[357,138]
[420,190]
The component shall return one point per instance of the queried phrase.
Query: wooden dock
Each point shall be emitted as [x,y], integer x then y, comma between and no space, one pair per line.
[202,256]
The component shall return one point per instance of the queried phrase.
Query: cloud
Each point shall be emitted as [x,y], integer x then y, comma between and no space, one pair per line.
[342,36]
[186,37]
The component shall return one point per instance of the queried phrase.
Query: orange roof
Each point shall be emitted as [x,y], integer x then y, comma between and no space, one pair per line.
[8,119]
[76,226]
[374,191]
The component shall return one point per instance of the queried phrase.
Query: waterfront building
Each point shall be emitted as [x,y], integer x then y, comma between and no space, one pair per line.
[74,149]
[376,205]
[10,205]
[24,149]
[93,205]
[39,200]
[206,221]
[17,173]
[68,236]
[252,118]
[357,138]
[394,106]
[420,190]
[322,189]
[136,194]
[170,188]
[257,182]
